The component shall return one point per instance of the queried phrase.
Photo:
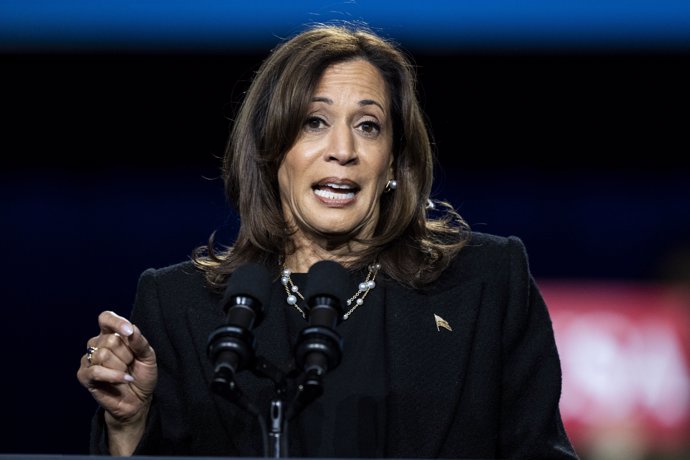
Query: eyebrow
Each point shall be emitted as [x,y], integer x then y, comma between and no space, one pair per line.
[362,103]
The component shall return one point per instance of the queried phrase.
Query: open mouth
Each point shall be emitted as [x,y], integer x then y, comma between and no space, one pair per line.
[335,191]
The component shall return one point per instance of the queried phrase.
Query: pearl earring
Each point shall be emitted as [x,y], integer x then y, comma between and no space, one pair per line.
[391,185]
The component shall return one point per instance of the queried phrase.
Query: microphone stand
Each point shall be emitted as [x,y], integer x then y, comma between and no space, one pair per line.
[275,433]
[307,386]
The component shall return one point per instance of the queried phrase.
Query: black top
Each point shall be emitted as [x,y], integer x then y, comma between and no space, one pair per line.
[486,386]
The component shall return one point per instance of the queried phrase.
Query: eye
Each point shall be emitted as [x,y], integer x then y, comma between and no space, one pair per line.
[370,128]
[314,123]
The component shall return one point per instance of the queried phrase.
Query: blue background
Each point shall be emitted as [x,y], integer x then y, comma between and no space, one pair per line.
[565,123]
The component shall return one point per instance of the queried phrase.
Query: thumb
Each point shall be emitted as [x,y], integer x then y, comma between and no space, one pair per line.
[140,347]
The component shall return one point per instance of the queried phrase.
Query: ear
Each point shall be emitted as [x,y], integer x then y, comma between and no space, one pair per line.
[391,170]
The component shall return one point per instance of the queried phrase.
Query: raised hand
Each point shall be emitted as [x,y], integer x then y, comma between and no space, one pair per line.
[119,370]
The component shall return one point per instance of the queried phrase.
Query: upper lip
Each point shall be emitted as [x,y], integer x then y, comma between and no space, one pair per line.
[337,182]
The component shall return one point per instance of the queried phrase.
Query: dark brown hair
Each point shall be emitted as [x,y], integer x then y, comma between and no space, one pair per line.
[411,246]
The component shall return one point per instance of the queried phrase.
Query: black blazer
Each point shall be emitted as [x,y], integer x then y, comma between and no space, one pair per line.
[489,389]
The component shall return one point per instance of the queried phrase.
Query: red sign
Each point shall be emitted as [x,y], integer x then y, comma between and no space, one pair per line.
[625,353]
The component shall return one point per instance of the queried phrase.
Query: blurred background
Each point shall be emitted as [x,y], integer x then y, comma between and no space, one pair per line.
[564,123]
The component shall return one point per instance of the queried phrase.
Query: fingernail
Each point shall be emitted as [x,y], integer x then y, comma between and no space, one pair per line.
[127,329]
[129,378]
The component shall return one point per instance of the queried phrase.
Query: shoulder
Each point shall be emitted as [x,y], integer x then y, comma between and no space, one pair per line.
[484,248]
[180,280]
[482,245]
[180,272]
[487,256]
[169,297]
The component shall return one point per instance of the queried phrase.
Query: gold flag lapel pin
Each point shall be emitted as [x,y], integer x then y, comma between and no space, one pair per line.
[441,323]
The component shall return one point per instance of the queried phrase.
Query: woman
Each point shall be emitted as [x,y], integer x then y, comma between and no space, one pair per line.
[448,346]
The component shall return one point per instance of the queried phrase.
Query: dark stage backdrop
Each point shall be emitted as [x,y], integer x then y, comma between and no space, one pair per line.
[110,167]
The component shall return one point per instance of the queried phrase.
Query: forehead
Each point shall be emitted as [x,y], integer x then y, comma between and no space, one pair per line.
[357,76]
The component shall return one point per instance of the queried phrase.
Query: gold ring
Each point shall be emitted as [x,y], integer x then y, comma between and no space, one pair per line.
[89,354]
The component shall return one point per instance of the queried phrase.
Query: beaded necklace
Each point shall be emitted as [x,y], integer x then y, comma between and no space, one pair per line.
[355,301]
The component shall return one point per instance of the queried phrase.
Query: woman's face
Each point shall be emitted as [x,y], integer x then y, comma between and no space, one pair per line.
[331,179]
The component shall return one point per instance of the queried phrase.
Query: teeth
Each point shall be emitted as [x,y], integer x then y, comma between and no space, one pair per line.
[340,186]
[329,195]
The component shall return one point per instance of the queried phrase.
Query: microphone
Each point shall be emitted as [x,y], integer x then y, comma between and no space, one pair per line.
[231,346]
[319,346]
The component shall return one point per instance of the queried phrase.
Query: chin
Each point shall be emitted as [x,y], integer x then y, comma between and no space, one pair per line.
[328,224]
[336,231]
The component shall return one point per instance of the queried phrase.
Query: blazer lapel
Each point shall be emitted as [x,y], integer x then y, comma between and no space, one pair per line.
[429,337]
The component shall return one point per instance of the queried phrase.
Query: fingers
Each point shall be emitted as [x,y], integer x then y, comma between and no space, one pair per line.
[117,330]
[111,354]
[119,367]
[90,374]
[111,323]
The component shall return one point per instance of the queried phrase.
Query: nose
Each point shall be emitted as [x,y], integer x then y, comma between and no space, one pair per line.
[341,145]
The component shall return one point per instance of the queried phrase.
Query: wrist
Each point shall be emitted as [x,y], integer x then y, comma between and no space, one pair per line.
[124,435]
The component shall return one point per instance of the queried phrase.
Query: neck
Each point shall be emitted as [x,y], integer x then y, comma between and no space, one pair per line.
[308,251]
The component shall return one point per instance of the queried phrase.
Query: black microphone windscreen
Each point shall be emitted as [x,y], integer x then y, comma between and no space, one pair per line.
[251,280]
[327,278]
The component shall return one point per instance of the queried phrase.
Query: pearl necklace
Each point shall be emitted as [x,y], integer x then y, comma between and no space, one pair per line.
[363,289]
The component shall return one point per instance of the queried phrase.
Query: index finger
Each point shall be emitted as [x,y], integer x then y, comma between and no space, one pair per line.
[111,322]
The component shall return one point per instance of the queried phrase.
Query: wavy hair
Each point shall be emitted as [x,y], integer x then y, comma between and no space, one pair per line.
[412,246]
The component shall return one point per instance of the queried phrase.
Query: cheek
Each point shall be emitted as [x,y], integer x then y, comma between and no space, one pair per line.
[283,180]
[291,182]
[292,166]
